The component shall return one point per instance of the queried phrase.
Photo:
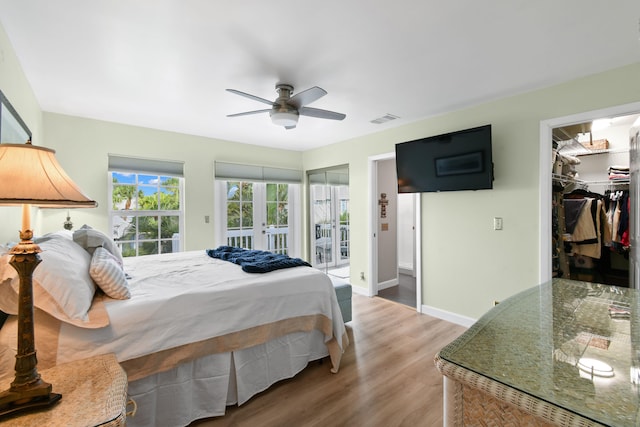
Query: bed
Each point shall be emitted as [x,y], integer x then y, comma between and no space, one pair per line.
[194,333]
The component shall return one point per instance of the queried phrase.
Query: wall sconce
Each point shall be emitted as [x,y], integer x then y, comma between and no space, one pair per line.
[68,225]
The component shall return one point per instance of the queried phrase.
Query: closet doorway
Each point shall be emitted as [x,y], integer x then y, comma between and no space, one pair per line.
[589,191]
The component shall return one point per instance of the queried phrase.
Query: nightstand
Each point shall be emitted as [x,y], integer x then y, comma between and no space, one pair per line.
[94,392]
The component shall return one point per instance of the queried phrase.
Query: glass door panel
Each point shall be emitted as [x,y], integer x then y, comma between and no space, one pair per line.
[329,218]
[277,206]
[342,195]
[258,216]
[240,232]
[322,246]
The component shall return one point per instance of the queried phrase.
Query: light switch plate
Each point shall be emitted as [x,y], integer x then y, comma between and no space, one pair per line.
[497,223]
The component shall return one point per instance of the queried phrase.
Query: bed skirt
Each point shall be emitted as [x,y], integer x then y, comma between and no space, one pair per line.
[204,387]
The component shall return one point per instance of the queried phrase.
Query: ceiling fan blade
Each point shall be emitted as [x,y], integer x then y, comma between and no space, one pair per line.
[308,96]
[248,95]
[247,113]
[321,114]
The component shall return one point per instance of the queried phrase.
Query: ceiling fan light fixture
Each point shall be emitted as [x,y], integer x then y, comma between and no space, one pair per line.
[284,118]
[286,109]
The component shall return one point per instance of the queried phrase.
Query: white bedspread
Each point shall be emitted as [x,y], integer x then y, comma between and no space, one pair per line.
[186,297]
[184,301]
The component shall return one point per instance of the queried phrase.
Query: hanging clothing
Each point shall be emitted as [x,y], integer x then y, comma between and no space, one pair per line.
[619,211]
[572,210]
[591,227]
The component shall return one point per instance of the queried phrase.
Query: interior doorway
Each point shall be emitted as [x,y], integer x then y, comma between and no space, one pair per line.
[405,290]
[394,271]
[576,126]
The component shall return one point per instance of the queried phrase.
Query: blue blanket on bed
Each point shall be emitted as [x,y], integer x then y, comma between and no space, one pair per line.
[254,261]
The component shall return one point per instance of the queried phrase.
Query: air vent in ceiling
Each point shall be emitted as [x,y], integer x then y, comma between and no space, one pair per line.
[387,117]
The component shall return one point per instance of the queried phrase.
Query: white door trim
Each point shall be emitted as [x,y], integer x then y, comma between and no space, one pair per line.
[417,265]
[546,145]
[372,274]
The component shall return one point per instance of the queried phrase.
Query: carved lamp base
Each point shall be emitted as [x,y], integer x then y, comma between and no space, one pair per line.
[27,391]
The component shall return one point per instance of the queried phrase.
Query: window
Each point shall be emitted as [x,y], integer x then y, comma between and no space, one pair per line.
[146,212]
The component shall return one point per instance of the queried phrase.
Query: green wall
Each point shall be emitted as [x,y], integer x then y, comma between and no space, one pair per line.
[83,145]
[466,264]
[15,87]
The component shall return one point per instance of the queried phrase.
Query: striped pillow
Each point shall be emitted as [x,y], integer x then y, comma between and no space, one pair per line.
[106,271]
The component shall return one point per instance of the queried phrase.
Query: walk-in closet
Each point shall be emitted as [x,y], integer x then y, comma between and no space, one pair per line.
[591,203]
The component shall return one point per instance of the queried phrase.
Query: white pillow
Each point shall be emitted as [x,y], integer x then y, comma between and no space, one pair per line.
[8,297]
[108,274]
[6,270]
[62,285]
[68,234]
[90,239]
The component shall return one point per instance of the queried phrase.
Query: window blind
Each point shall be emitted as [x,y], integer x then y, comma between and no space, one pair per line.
[141,165]
[239,172]
[329,177]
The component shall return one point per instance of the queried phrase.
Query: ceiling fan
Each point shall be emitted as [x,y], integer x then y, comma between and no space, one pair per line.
[286,109]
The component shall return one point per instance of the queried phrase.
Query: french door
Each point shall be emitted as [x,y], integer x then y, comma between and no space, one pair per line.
[258,215]
[329,218]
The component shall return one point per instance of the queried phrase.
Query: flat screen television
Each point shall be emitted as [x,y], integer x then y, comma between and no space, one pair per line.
[453,161]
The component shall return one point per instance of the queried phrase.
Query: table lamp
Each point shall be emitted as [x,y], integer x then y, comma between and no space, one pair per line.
[31,175]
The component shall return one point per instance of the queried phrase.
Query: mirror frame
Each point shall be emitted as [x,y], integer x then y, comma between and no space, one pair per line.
[9,114]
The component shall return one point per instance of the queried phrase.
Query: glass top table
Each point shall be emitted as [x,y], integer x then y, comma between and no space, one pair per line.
[575,345]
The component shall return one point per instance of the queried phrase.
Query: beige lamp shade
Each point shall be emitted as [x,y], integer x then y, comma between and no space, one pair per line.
[32,175]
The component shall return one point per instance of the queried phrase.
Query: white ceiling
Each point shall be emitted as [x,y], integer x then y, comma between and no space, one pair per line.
[165,64]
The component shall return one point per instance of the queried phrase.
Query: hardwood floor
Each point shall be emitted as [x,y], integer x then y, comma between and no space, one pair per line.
[387,377]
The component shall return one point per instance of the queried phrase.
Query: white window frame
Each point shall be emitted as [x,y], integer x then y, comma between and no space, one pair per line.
[139,166]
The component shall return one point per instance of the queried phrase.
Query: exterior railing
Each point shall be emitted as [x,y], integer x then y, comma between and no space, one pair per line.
[324,243]
[277,239]
[240,238]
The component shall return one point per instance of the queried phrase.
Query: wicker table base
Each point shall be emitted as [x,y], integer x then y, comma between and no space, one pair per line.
[474,400]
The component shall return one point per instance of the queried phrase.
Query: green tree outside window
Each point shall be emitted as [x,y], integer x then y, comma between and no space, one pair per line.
[145,212]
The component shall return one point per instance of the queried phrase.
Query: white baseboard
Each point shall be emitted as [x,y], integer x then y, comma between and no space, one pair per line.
[408,270]
[407,266]
[361,290]
[448,316]
[387,284]
[428,310]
